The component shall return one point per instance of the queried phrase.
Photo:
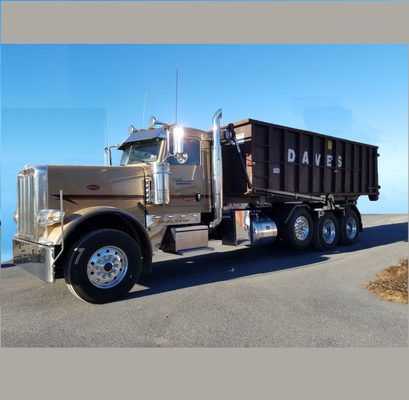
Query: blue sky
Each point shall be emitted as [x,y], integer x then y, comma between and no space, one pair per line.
[59,102]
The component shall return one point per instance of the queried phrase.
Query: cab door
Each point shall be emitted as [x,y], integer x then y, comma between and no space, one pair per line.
[187,181]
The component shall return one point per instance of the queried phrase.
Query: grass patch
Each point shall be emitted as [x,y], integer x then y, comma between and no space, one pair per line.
[391,283]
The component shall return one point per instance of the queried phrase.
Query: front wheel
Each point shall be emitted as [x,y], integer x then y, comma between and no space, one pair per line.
[102,266]
[325,232]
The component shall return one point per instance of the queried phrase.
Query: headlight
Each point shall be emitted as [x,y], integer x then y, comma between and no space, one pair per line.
[49,217]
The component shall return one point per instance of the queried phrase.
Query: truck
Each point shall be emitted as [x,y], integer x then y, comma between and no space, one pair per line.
[250,182]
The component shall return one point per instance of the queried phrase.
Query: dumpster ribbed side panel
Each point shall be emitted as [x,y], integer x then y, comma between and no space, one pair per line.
[284,159]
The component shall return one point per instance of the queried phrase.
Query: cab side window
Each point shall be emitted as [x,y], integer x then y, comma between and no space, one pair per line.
[192,149]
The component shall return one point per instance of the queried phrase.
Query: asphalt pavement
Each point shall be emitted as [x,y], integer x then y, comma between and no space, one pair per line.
[228,297]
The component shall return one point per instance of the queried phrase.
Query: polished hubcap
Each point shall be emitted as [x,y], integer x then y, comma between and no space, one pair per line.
[301,228]
[328,231]
[107,267]
[351,228]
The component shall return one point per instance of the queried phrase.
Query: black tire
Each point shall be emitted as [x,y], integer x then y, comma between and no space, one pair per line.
[102,266]
[348,228]
[298,231]
[326,232]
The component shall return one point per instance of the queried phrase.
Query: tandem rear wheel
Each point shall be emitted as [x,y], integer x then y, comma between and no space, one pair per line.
[348,228]
[323,233]
[298,231]
[326,232]
[102,266]
[329,230]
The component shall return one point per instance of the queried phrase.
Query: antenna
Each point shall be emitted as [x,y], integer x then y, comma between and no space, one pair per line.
[105,135]
[143,110]
[176,102]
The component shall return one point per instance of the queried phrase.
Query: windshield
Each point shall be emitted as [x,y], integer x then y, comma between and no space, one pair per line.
[141,152]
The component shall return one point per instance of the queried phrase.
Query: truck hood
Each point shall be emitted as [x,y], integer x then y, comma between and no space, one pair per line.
[90,186]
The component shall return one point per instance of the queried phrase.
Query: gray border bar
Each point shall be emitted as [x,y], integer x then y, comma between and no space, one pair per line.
[179,22]
[207,373]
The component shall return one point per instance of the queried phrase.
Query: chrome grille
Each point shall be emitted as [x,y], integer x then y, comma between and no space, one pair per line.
[32,197]
[26,205]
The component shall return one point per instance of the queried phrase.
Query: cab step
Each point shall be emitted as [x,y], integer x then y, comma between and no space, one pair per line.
[186,238]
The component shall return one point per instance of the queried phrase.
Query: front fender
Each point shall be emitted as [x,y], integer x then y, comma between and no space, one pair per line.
[81,216]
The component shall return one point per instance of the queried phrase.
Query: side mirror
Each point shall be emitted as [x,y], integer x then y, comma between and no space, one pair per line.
[108,154]
[178,136]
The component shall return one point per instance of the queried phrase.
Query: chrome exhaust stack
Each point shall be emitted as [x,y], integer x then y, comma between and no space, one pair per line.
[217,171]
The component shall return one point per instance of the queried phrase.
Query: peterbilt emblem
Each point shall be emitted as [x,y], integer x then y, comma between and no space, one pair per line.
[92,187]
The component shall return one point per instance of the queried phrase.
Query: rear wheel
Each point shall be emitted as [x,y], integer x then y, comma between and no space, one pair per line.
[102,266]
[297,232]
[325,232]
[348,227]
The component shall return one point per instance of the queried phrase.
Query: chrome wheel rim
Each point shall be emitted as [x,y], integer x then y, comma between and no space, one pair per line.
[107,267]
[301,228]
[328,231]
[351,228]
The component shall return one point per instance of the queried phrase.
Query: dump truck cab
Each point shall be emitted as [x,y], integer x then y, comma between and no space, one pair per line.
[177,181]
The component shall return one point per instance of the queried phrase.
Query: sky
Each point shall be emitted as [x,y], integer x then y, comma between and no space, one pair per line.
[62,103]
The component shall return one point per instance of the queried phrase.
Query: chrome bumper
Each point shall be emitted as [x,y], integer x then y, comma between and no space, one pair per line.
[34,258]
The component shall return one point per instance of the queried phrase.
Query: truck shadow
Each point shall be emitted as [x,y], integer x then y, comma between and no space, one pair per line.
[241,262]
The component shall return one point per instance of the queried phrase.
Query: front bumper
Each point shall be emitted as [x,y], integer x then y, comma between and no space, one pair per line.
[34,258]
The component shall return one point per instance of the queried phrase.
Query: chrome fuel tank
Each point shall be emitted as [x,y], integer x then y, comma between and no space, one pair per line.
[263,231]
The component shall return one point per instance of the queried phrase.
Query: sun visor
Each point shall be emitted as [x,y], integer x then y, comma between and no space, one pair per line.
[143,135]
